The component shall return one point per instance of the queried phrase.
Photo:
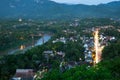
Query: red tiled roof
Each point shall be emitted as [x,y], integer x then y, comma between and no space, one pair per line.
[24,73]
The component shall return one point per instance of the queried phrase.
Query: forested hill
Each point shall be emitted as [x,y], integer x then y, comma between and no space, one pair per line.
[50,10]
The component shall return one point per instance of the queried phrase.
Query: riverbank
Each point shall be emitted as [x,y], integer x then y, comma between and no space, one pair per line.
[38,42]
[18,45]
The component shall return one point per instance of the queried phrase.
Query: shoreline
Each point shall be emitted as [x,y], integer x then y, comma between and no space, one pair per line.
[37,42]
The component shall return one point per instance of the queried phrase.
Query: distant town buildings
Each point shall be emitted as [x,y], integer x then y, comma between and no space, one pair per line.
[62,39]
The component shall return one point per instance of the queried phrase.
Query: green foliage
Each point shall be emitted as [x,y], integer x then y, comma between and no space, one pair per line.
[74,51]
[113,66]
[80,73]
[10,63]
[111,59]
[111,51]
[111,32]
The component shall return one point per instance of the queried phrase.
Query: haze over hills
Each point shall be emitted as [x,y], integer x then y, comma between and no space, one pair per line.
[46,9]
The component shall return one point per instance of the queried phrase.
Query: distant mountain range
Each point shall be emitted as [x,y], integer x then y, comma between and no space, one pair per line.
[46,9]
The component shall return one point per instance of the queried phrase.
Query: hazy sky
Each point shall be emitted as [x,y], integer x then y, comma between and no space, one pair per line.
[88,2]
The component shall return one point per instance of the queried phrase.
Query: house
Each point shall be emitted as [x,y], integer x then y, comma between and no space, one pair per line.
[89,59]
[61,53]
[71,64]
[62,39]
[50,53]
[83,63]
[24,74]
[63,66]
[85,45]
[89,54]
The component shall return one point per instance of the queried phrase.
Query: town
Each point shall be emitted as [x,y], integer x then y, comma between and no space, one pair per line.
[40,47]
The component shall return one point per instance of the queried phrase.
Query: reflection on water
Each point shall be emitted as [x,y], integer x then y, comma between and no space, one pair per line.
[40,41]
[43,40]
[22,47]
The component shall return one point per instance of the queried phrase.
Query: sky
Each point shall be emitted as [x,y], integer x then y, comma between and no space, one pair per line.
[87,2]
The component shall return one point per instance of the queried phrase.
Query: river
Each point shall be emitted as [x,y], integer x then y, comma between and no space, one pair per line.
[40,41]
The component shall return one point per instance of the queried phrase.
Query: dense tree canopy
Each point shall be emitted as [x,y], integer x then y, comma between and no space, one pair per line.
[112,51]
[80,73]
